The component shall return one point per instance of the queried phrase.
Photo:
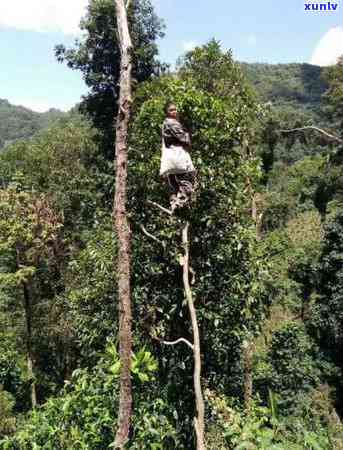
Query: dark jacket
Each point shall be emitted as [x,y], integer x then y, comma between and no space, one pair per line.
[173,133]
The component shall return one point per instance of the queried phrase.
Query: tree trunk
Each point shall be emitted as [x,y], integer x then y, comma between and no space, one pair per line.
[29,355]
[122,228]
[248,351]
[199,421]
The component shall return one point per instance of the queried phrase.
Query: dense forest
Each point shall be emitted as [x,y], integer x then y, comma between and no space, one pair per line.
[265,250]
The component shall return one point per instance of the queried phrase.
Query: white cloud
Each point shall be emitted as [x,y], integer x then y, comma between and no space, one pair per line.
[42,15]
[329,48]
[187,46]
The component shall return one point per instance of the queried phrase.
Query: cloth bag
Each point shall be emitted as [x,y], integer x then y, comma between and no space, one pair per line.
[175,159]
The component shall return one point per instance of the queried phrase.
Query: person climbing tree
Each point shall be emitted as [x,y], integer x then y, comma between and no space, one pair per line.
[177,168]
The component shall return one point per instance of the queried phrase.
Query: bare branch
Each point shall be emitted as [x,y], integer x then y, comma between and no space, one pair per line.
[151,236]
[161,208]
[175,342]
[199,420]
[319,130]
[127,4]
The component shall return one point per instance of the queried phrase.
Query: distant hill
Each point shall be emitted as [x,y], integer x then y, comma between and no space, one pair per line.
[294,85]
[17,122]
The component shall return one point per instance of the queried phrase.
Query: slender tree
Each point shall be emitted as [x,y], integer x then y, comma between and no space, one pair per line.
[122,226]
[199,421]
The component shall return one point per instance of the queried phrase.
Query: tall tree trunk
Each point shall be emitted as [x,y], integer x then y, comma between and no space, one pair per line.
[248,346]
[199,421]
[29,355]
[122,228]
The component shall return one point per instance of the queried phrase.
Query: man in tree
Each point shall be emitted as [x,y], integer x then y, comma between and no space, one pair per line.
[176,164]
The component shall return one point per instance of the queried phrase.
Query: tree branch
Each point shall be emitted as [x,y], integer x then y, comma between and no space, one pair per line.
[161,208]
[175,342]
[192,271]
[151,236]
[127,4]
[319,130]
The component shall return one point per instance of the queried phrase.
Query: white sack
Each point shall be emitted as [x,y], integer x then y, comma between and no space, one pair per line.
[174,160]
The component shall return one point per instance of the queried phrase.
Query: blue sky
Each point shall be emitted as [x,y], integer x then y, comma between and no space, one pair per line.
[264,31]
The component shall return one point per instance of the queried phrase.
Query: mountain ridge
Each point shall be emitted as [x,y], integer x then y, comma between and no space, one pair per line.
[19,122]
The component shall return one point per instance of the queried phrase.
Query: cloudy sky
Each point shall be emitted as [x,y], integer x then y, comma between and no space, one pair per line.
[264,31]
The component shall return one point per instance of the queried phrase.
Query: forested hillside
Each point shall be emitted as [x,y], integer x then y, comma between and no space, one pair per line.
[17,122]
[264,248]
[299,84]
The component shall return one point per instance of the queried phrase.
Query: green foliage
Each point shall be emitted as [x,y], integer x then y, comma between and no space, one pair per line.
[83,416]
[215,72]
[143,364]
[293,250]
[314,181]
[29,228]
[334,95]
[12,378]
[262,429]
[89,295]
[79,419]
[7,419]
[292,364]
[59,162]
[327,312]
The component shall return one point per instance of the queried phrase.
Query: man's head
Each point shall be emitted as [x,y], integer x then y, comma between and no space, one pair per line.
[171,110]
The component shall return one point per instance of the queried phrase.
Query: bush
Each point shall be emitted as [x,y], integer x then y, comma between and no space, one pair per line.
[84,416]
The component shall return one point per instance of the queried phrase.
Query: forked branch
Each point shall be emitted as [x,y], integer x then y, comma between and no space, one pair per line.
[175,342]
[161,208]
